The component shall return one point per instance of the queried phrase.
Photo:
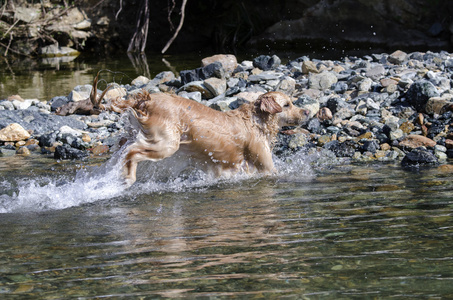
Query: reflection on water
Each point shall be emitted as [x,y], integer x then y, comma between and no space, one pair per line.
[47,78]
[338,232]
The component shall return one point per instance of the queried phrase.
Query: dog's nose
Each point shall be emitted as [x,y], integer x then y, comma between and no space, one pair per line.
[306,113]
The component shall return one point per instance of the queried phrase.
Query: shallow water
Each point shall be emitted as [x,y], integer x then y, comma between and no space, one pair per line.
[315,230]
[318,229]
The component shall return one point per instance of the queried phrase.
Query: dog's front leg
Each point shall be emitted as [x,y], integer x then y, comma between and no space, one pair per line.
[130,167]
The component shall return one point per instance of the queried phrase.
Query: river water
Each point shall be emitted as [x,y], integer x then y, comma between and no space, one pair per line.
[318,229]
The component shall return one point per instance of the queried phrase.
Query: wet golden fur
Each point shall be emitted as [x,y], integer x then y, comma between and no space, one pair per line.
[222,142]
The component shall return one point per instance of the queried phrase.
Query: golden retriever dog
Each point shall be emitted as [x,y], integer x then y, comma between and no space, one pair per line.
[223,143]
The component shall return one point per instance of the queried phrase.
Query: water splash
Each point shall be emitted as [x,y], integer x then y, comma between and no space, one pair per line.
[92,184]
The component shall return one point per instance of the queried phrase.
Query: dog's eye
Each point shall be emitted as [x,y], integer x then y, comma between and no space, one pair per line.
[286,105]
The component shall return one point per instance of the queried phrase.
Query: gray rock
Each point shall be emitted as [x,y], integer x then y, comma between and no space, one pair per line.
[67,152]
[216,86]
[419,94]
[7,105]
[375,73]
[197,86]
[81,92]
[309,104]
[287,85]
[265,62]
[297,140]
[192,96]
[322,81]
[397,57]
[265,76]
[418,157]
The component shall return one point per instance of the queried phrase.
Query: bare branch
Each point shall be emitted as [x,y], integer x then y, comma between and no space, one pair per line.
[183,8]
[118,12]
[9,29]
[170,11]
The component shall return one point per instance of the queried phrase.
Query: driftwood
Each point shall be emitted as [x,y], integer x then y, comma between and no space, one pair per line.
[89,106]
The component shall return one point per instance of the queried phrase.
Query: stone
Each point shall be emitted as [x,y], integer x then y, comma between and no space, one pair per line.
[140,81]
[376,72]
[80,92]
[314,126]
[309,104]
[196,96]
[6,152]
[396,134]
[228,61]
[365,84]
[419,156]
[420,119]
[340,87]
[23,104]
[101,123]
[385,82]
[265,76]
[57,102]
[287,85]
[216,86]
[266,62]
[100,149]
[407,127]
[446,168]
[26,15]
[226,104]
[24,151]
[297,140]
[437,105]
[324,114]
[161,78]
[68,130]
[324,139]
[83,25]
[322,81]
[414,141]
[13,133]
[397,57]
[341,149]
[212,70]
[249,96]
[449,144]
[419,93]
[115,92]
[361,108]
[197,86]
[67,152]
[309,67]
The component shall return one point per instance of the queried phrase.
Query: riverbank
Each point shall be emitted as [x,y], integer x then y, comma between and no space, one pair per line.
[382,107]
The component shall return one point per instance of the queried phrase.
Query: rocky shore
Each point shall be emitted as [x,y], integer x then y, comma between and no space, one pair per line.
[381,107]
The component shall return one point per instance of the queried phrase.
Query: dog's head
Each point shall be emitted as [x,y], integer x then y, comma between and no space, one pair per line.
[282,107]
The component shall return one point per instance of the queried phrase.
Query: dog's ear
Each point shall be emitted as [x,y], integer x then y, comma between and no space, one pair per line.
[268,104]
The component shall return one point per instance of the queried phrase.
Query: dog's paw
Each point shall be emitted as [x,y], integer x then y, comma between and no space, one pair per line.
[127,183]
